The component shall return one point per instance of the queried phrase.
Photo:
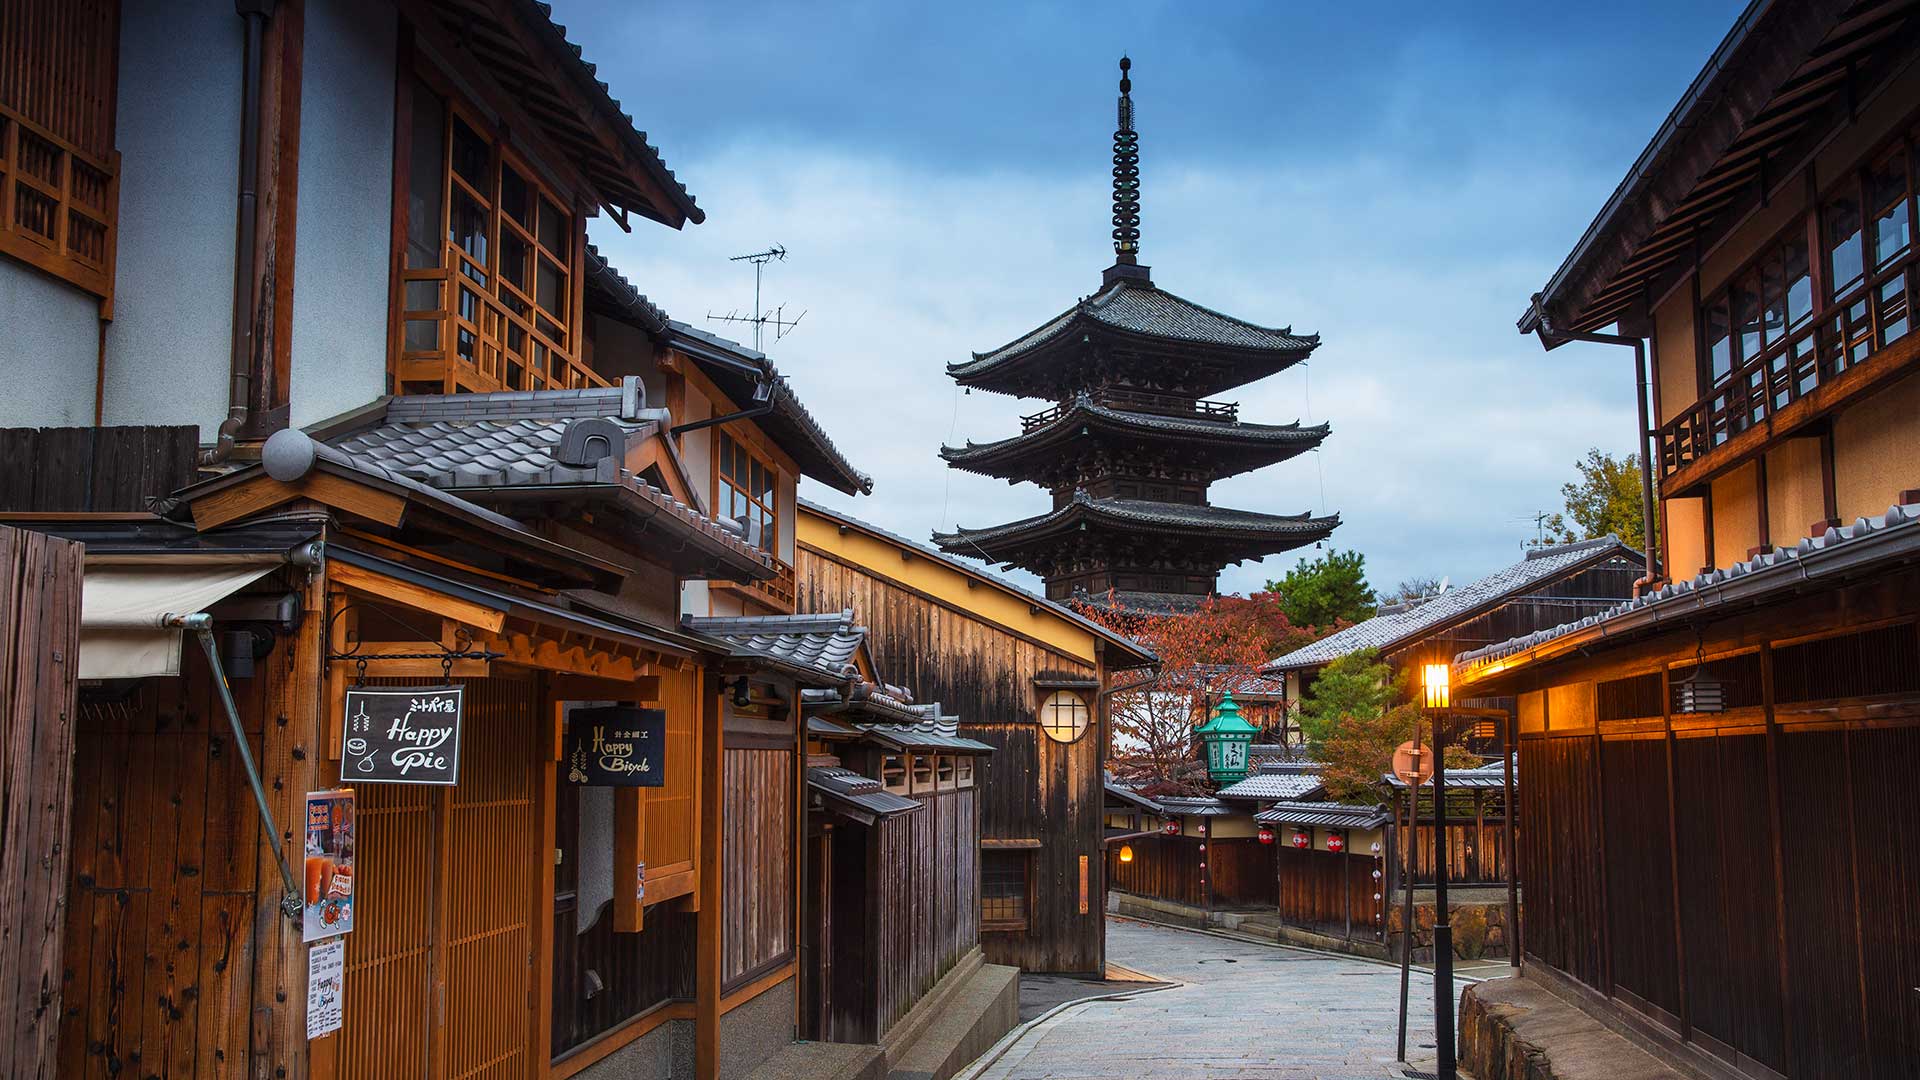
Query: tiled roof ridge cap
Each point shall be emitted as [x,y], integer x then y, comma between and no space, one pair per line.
[1547,551]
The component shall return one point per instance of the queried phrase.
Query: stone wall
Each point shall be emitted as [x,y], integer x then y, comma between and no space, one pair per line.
[1479,930]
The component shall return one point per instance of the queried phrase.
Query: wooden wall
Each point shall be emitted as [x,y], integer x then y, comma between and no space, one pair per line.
[758,858]
[94,469]
[1163,867]
[1030,788]
[927,892]
[40,581]
[1550,604]
[1743,881]
[158,970]
[1324,891]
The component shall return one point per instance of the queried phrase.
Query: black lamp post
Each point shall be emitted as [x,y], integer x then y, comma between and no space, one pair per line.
[1439,698]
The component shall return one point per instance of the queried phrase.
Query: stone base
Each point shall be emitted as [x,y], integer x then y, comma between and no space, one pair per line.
[1479,929]
[1517,1029]
[1256,924]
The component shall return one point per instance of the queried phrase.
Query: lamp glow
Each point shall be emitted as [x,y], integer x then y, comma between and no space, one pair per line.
[1433,677]
[1126,852]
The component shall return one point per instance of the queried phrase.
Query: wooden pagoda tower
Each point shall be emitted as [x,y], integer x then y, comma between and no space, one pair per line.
[1132,443]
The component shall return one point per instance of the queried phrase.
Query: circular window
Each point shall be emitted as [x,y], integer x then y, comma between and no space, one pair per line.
[1064,717]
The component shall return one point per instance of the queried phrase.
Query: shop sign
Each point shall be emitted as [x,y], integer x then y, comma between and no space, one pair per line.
[402,735]
[326,987]
[327,906]
[616,746]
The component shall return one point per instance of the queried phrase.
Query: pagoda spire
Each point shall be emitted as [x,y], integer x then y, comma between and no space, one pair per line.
[1126,190]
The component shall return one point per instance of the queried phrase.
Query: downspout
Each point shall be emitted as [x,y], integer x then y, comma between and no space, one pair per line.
[1552,338]
[763,404]
[246,233]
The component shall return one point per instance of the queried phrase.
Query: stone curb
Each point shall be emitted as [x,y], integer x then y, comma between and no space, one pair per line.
[999,1049]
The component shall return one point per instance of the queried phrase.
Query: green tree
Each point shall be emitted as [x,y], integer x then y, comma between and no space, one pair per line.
[1328,590]
[1354,716]
[1606,499]
[1357,685]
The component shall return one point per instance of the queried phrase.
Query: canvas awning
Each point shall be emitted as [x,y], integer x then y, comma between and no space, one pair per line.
[124,610]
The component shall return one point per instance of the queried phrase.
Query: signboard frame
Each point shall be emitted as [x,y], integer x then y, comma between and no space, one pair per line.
[364,744]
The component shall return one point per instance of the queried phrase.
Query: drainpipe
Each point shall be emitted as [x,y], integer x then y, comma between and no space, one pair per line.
[246,232]
[1553,339]
[762,405]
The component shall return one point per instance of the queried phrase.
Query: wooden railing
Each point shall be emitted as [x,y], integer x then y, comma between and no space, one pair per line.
[58,205]
[457,335]
[777,590]
[1845,334]
[1142,401]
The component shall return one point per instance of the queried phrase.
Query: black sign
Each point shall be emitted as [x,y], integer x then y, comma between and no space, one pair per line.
[402,735]
[617,746]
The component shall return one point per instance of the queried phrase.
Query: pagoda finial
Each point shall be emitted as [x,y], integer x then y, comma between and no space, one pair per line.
[1126,176]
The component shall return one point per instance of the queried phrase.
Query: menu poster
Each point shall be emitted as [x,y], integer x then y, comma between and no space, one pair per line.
[616,746]
[326,987]
[402,735]
[328,903]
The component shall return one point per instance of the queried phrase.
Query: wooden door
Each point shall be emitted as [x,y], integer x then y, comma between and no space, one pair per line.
[440,962]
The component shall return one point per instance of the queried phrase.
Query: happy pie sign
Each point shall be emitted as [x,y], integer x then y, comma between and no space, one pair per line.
[402,735]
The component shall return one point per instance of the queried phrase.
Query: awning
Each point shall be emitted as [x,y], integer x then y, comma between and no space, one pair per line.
[124,611]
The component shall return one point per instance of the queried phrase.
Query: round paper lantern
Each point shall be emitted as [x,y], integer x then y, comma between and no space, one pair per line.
[1301,839]
[1266,834]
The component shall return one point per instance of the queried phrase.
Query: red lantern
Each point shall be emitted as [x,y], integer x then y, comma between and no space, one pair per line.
[1301,839]
[1336,842]
[1172,827]
[1266,834]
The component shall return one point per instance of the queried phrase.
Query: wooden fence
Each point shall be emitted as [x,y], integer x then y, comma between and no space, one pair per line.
[1327,891]
[93,469]
[39,656]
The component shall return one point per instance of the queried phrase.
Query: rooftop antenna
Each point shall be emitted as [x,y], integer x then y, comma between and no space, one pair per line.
[761,318]
[1540,528]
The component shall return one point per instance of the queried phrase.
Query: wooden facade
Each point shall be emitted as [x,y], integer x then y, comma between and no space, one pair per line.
[992,655]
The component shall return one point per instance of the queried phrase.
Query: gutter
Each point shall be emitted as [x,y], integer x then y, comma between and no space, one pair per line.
[763,404]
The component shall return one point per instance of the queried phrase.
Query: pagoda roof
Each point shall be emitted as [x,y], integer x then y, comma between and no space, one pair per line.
[1223,352]
[1239,447]
[1227,529]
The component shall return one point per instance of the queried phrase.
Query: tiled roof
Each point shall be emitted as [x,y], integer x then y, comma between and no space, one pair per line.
[1287,782]
[1032,598]
[859,792]
[1867,544]
[1182,806]
[826,644]
[1131,797]
[1422,620]
[1492,775]
[1144,514]
[1260,443]
[1329,815]
[609,287]
[1148,311]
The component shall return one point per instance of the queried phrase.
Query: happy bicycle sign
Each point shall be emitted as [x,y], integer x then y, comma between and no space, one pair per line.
[402,735]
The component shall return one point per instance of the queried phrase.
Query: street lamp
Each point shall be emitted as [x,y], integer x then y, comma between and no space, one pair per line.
[1438,699]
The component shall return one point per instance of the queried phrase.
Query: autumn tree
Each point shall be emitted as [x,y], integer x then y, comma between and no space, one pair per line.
[1329,591]
[1354,716]
[1204,653]
[1604,500]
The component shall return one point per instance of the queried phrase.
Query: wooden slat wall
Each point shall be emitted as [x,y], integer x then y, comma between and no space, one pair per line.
[670,808]
[1242,871]
[1562,916]
[1639,874]
[927,899]
[1031,787]
[158,974]
[1163,867]
[57,62]
[758,862]
[39,655]
[390,952]
[97,469]
[1319,888]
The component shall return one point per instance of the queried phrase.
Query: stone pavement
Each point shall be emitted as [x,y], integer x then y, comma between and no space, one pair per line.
[1242,1011]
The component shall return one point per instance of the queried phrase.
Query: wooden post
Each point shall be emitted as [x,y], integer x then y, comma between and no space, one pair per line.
[1206,860]
[1479,834]
[709,922]
[1507,749]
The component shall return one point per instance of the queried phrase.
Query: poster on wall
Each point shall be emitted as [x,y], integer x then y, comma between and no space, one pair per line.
[616,746]
[326,987]
[328,902]
[402,735]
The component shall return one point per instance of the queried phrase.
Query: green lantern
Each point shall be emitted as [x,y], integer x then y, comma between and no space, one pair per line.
[1227,735]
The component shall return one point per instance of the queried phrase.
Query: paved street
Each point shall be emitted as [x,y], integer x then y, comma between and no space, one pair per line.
[1243,1011]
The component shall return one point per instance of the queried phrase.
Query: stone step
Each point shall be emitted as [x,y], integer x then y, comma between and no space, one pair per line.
[1516,1029]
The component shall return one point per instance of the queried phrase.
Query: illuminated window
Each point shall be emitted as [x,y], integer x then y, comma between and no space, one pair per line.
[1064,717]
[747,490]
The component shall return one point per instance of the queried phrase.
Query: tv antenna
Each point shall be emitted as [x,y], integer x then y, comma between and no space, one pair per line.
[762,318]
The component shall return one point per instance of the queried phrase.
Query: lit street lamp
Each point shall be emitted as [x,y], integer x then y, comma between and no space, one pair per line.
[1438,699]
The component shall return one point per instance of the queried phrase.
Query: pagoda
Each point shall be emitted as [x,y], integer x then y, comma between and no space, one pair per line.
[1132,441]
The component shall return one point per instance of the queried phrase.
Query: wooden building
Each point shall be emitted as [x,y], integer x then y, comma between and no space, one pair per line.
[1025,676]
[1715,859]
[1130,442]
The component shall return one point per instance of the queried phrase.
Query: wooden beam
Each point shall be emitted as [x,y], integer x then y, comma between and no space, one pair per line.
[393,590]
[707,945]
[263,492]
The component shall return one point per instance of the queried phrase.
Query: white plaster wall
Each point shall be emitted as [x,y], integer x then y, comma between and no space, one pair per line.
[179,136]
[341,239]
[48,349]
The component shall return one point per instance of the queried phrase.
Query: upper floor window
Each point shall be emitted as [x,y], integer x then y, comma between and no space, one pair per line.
[747,490]
[489,286]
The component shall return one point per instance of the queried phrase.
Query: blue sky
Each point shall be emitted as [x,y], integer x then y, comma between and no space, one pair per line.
[1397,177]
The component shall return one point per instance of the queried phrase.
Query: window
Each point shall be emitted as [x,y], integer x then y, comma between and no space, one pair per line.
[922,773]
[945,772]
[963,769]
[488,289]
[1003,890]
[747,491]
[1064,717]
[893,773]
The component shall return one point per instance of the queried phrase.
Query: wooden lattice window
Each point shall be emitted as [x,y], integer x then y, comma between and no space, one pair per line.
[489,290]
[1004,891]
[963,771]
[1064,716]
[748,488]
[59,172]
[893,773]
[922,773]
